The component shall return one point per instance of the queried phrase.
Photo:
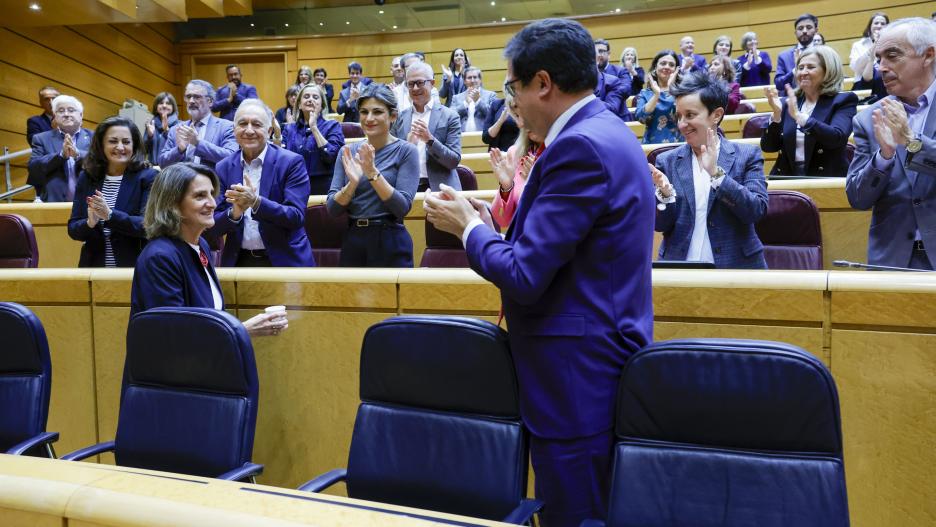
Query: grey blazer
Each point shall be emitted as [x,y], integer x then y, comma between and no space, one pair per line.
[218,143]
[444,154]
[902,199]
[46,166]
[482,108]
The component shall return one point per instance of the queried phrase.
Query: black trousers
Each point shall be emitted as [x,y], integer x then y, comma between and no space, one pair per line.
[384,245]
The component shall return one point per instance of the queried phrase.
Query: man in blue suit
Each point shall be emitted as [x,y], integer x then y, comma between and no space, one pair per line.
[712,190]
[894,168]
[603,56]
[266,191]
[42,122]
[350,92]
[231,95]
[806,26]
[691,62]
[614,93]
[57,154]
[204,138]
[574,268]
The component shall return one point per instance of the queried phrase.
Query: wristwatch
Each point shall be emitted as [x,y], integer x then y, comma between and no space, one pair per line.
[719,173]
[915,145]
[377,175]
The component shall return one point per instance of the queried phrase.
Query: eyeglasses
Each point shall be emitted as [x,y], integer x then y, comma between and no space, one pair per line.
[417,83]
[193,97]
[509,89]
[63,111]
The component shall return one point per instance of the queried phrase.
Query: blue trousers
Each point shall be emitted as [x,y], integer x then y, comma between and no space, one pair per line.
[384,245]
[573,477]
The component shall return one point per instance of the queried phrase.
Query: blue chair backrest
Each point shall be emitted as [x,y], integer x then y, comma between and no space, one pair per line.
[190,400]
[722,432]
[439,423]
[25,375]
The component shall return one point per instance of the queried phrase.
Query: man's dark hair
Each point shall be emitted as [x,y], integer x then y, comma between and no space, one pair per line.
[806,16]
[713,93]
[229,66]
[315,72]
[355,66]
[603,42]
[562,48]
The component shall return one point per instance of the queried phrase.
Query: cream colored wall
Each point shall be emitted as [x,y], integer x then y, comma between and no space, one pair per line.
[874,330]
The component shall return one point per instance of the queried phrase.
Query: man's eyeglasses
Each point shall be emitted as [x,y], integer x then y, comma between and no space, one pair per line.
[193,97]
[63,111]
[509,89]
[416,84]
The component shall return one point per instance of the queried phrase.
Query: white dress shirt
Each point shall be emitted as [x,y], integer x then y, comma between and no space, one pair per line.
[215,292]
[254,169]
[421,145]
[700,246]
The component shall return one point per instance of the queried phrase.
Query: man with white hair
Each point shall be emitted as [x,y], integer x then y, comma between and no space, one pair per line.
[204,138]
[265,193]
[894,168]
[400,91]
[57,154]
[433,128]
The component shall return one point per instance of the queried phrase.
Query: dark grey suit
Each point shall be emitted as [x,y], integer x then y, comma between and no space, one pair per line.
[902,199]
[47,167]
[444,154]
[217,144]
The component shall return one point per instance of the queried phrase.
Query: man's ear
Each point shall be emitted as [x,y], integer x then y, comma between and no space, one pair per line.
[545,84]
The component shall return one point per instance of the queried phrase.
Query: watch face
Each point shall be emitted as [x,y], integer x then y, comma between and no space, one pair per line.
[914,146]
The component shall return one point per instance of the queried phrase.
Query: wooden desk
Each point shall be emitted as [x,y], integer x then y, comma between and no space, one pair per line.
[36,491]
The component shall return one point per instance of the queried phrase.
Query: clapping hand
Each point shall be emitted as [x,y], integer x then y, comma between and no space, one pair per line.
[185,136]
[474,94]
[654,85]
[352,165]
[151,127]
[660,181]
[232,91]
[708,157]
[365,159]
[503,168]
[68,147]
[773,99]
[97,208]
[241,197]
[891,127]
[799,118]
[687,63]
[446,73]
[421,131]
[289,116]
[526,165]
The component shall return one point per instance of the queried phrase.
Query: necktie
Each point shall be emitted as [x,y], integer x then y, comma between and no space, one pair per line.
[191,149]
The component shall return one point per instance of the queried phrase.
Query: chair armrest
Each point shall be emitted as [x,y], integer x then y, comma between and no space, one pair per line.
[44,438]
[524,512]
[320,483]
[248,470]
[592,523]
[93,450]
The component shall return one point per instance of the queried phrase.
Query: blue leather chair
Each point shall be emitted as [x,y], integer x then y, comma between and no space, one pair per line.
[25,383]
[189,400]
[722,432]
[439,423]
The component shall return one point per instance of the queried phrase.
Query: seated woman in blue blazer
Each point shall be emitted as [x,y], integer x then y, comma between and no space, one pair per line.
[110,196]
[711,191]
[811,133]
[174,269]
[266,192]
[315,138]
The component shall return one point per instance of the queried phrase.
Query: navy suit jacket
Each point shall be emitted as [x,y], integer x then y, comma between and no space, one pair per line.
[218,143]
[786,69]
[733,209]
[698,62]
[284,193]
[611,69]
[226,109]
[902,200]
[349,108]
[36,125]
[825,137]
[47,166]
[508,132]
[126,224]
[574,273]
[168,273]
[444,154]
[614,93]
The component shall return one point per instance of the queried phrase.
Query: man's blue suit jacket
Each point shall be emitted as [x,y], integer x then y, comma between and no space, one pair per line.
[444,154]
[169,274]
[284,189]
[226,109]
[903,200]
[37,124]
[739,203]
[786,70]
[574,273]
[46,167]
[218,143]
[614,92]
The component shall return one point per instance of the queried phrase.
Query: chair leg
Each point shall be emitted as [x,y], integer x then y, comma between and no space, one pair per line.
[50,451]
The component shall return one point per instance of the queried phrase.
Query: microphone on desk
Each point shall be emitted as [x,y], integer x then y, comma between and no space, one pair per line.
[859,265]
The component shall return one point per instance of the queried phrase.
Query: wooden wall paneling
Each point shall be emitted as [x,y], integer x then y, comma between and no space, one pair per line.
[48,63]
[153,40]
[71,43]
[128,48]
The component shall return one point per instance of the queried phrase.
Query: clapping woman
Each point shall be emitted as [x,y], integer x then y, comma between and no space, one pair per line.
[453,77]
[165,116]
[513,168]
[110,197]
[375,183]
[656,108]
[315,138]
